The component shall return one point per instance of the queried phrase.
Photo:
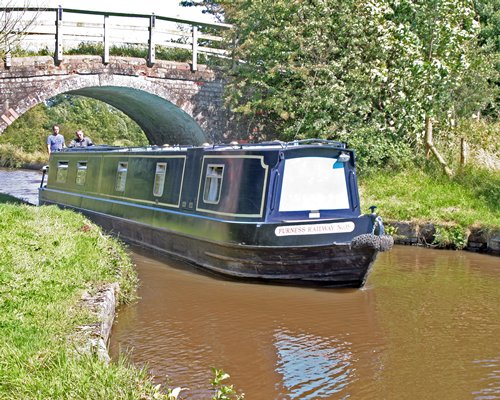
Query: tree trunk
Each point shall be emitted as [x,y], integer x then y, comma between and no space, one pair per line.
[463,152]
[428,136]
[431,149]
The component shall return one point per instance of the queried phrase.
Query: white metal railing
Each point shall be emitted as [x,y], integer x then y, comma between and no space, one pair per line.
[67,28]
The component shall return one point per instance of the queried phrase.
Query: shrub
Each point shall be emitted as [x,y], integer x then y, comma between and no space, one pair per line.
[450,237]
[13,157]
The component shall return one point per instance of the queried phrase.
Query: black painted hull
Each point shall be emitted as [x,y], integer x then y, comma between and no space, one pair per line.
[332,265]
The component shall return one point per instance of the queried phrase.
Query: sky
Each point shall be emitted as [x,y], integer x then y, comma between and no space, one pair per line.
[166,8]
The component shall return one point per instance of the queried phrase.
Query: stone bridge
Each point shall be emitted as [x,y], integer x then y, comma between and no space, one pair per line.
[170,102]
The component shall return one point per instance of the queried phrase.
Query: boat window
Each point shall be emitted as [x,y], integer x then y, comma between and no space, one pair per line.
[159,183]
[81,172]
[314,184]
[62,171]
[213,183]
[121,176]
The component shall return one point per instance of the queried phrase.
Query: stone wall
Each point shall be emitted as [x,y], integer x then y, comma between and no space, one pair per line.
[477,238]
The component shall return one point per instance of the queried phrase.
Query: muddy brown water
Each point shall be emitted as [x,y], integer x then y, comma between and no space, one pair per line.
[426,326]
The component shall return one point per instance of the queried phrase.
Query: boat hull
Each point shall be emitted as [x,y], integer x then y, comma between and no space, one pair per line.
[331,265]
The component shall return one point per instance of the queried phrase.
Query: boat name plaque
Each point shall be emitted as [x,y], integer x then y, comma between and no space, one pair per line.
[316,229]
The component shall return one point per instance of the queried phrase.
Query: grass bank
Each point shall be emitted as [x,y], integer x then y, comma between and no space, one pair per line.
[14,157]
[48,259]
[470,199]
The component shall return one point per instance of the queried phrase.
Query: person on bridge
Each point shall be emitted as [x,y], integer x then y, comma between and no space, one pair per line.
[80,140]
[55,142]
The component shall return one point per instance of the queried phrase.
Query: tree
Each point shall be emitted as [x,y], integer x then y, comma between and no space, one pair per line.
[214,8]
[438,34]
[373,73]
[101,122]
[488,54]
[318,68]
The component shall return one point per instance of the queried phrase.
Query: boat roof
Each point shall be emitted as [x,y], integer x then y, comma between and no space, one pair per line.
[278,145]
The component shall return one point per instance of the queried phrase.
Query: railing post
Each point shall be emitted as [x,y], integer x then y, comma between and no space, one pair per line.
[194,65]
[105,56]
[59,36]
[152,51]
[8,55]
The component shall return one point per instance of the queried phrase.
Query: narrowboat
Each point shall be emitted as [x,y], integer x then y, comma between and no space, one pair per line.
[284,212]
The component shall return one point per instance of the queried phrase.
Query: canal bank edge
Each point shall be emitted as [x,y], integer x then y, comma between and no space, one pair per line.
[476,239]
[94,337]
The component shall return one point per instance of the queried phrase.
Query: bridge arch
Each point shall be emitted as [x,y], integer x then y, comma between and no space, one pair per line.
[168,101]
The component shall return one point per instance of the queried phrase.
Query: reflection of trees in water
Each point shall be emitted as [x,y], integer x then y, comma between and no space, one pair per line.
[313,366]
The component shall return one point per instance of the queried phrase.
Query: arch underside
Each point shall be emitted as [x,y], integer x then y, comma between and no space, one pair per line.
[162,121]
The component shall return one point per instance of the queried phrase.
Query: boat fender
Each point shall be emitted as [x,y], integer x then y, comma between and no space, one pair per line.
[370,241]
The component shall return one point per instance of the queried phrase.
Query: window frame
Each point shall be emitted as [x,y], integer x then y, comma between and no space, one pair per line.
[62,166]
[121,176]
[81,173]
[162,176]
[209,178]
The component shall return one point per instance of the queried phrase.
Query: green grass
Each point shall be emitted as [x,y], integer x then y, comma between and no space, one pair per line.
[138,51]
[471,198]
[14,157]
[48,259]
[6,198]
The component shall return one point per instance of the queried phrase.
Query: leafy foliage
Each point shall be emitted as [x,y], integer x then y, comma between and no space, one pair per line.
[214,8]
[223,391]
[13,157]
[364,72]
[453,237]
[101,122]
[161,52]
[483,143]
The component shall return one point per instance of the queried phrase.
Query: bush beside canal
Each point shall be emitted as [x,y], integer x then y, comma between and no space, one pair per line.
[49,258]
[14,157]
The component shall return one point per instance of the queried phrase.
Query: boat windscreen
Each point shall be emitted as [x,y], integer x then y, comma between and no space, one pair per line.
[313,183]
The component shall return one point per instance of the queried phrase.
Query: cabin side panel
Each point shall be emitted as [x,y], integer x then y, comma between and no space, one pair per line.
[72,175]
[233,185]
[144,179]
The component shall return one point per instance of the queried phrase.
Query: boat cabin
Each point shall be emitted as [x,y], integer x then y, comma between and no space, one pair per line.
[265,182]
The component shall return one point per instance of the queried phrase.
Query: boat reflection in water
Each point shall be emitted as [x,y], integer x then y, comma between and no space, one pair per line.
[312,366]
[286,212]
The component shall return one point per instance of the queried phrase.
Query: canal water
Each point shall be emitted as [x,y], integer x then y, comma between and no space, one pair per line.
[426,326]
[21,183]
